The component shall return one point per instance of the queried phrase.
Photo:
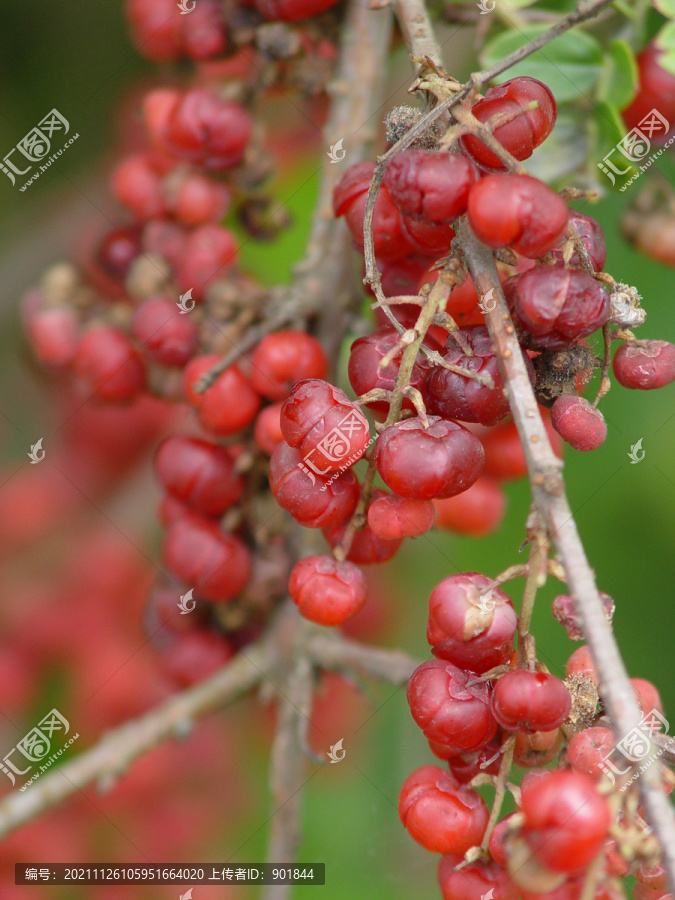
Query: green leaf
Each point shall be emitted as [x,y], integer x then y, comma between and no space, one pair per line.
[570,65]
[608,129]
[516,4]
[666,8]
[619,79]
[665,40]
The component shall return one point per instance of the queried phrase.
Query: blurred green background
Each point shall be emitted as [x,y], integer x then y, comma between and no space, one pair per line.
[76,57]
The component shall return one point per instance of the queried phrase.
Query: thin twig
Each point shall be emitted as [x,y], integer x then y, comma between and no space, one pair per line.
[342,655]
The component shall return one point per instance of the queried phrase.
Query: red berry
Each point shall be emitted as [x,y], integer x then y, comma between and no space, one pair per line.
[426,238]
[430,185]
[208,253]
[537,749]
[475,881]
[392,518]
[440,815]
[497,844]
[592,237]
[530,701]
[447,710]
[169,338]
[656,91]
[581,663]
[198,473]
[284,358]
[216,564]
[108,366]
[327,591]
[313,502]
[522,134]
[194,199]
[190,658]
[475,512]
[565,610]
[465,766]
[207,130]
[137,184]
[364,369]
[54,334]
[644,365]
[557,305]
[166,239]
[578,422]
[203,30]
[469,629]
[401,276]
[504,457]
[292,10]
[647,695]
[229,405]
[566,819]
[454,396]
[107,268]
[517,211]
[653,877]
[588,748]
[353,184]
[267,429]
[155,28]
[367,548]
[325,426]
[389,240]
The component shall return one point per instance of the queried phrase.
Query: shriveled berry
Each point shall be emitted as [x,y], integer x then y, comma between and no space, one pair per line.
[392,518]
[205,129]
[364,369]
[471,622]
[476,512]
[537,749]
[530,701]
[353,184]
[430,185]
[216,564]
[169,338]
[644,365]
[565,610]
[313,502]
[198,473]
[517,211]
[593,238]
[465,766]
[587,750]
[557,305]
[449,711]
[455,396]
[327,591]
[422,463]
[427,238]
[389,240]
[283,358]
[325,426]
[524,132]
[578,422]
[439,814]
[109,366]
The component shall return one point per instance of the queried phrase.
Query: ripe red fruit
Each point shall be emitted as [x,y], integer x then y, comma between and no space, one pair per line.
[198,473]
[313,502]
[530,701]
[137,184]
[656,91]
[325,426]
[431,240]
[169,338]
[355,182]
[440,815]
[566,819]
[477,880]
[644,365]
[392,518]
[447,710]
[647,696]
[207,130]
[504,457]
[455,396]
[229,405]
[557,305]
[592,237]
[194,199]
[108,265]
[497,843]
[517,211]
[430,185]
[588,748]
[292,10]
[327,591]
[217,565]
[389,240]
[522,134]
[578,422]
[364,369]
[471,630]
[155,28]
[208,253]
[465,766]
[367,548]
[109,366]
[475,512]
[267,429]
[192,657]
[284,358]
[420,463]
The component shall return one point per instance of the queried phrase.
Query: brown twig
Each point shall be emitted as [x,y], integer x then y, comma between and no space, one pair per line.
[342,655]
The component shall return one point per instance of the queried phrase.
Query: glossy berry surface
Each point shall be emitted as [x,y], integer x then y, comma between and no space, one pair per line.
[579,423]
[517,211]
[108,366]
[477,880]
[389,238]
[471,622]
[229,405]
[419,464]
[430,185]
[644,365]
[324,425]
[588,749]
[195,656]
[200,474]
[530,701]
[284,358]
[523,133]
[592,237]
[455,396]
[556,305]
[392,518]
[566,819]
[448,711]
[656,89]
[439,814]
[267,429]
[353,184]
[327,591]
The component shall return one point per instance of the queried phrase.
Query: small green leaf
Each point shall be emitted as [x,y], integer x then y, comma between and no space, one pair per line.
[619,79]
[665,40]
[666,8]
[570,65]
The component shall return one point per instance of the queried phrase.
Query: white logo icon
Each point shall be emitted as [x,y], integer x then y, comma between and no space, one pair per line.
[336,152]
[184,8]
[37,454]
[35,145]
[184,602]
[484,304]
[486,602]
[186,304]
[188,894]
[485,8]
[637,454]
[335,751]
[487,896]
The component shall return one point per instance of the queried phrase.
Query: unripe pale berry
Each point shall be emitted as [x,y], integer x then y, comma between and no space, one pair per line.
[644,365]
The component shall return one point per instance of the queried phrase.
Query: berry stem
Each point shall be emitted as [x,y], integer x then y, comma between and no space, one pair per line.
[500,788]
[535,579]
